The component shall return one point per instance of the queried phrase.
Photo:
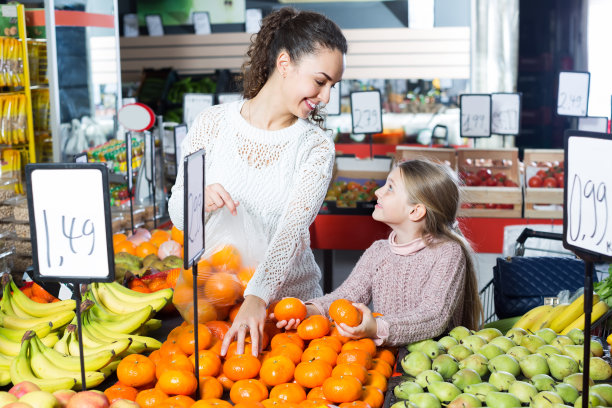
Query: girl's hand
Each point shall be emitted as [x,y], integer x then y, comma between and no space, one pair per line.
[367,327]
[251,317]
[215,197]
[292,324]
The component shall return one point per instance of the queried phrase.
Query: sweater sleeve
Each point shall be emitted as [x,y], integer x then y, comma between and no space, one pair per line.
[291,238]
[440,296]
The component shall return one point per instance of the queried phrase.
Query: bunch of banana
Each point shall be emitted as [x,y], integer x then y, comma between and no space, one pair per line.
[533,319]
[574,315]
[120,300]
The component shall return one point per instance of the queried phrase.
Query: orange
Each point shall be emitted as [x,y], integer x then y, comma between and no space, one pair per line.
[342,389]
[372,396]
[311,374]
[290,392]
[291,350]
[316,403]
[356,370]
[118,237]
[245,275]
[178,401]
[355,356]
[210,387]
[320,352]
[234,311]
[206,312]
[145,249]
[286,337]
[313,327]
[212,403]
[354,404]
[177,235]
[377,380]
[290,308]
[329,341]
[336,334]
[177,362]
[343,311]
[169,348]
[158,237]
[136,370]
[316,393]
[155,357]
[150,398]
[210,363]
[218,328]
[241,367]
[172,277]
[158,284]
[225,381]
[249,404]
[232,350]
[361,344]
[248,390]
[125,246]
[216,346]
[175,332]
[382,367]
[222,289]
[277,370]
[181,382]
[186,340]
[120,391]
[386,355]
[226,258]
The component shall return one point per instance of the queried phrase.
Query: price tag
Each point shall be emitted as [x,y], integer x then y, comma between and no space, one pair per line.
[506,113]
[193,167]
[475,115]
[253,20]
[228,97]
[130,25]
[593,124]
[573,96]
[155,27]
[587,210]
[136,116]
[333,106]
[80,158]
[69,207]
[366,112]
[201,23]
[193,104]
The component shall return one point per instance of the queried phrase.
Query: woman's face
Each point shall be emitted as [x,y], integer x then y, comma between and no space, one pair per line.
[308,83]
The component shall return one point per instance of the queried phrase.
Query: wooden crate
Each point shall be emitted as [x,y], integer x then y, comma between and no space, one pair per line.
[546,197]
[440,155]
[495,160]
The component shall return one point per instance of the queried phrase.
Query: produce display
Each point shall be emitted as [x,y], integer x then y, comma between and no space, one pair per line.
[347,193]
[113,153]
[486,178]
[548,175]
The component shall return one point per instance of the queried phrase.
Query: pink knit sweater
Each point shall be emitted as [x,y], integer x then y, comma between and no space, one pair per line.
[420,295]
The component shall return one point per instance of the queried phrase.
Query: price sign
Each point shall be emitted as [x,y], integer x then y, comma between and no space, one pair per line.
[475,115]
[253,20]
[136,116]
[587,210]
[228,97]
[80,158]
[180,133]
[201,23]
[69,207]
[573,96]
[506,113]
[193,224]
[193,104]
[366,112]
[593,124]
[130,25]
[333,106]
[155,27]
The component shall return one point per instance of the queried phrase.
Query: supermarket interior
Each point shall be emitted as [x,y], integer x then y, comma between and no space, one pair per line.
[246,183]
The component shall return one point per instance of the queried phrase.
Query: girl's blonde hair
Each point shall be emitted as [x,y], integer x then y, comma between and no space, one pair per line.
[436,187]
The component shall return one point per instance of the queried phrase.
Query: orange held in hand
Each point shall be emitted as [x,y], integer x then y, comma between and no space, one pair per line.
[136,370]
[343,311]
[290,308]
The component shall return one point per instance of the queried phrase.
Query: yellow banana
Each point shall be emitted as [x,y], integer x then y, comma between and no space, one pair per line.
[16,335]
[5,361]
[599,309]
[571,313]
[129,323]
[556,311]
[5,376]
[39,309]
[528,318]
[62,344]
[119,302]
[93,362]
[57,321]
[110,368]
[149,342]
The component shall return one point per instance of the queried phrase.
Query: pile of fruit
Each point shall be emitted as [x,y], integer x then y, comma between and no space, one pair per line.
[603,288]
[114,153]
[347,194]
[485,178]
[37,293]
[550,176]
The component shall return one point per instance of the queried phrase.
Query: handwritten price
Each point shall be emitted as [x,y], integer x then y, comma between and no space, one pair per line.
[588,198]
[195,217]
[473,122]
[366,119]
[505,120]
[87,232]
[570,103]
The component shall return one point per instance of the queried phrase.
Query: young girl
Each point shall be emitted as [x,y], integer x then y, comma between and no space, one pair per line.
[422,279]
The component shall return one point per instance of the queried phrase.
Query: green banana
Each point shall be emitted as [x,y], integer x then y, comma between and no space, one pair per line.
[39,309]
[93,362]
[55,321]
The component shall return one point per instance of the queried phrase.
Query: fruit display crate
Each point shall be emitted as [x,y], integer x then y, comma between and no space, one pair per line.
[494,201]
[542,202]
[440,155]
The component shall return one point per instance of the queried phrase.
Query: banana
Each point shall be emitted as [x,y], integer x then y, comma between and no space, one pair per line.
[39,309]
[5,376]
[136,347]
[126,304]
[556,311]
[530,317]
[118,346]
[5,361]
[8,347]
[125,293]
[129,323]
[21,371]
[16,335]
[151,325]
[50,339]
[540,318]
[110,368]
[56,321]
[62,344]
[7,307]
[571,313]
[93,362]
[599,309]
[149,342]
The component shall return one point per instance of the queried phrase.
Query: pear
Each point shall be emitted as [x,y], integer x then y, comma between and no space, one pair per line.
[604,391]
[576,381]
[594,400]
[491,350]
[473,342]
[557,405]
[523,391]
[503,343]
[481,390]
[465,377]
[533,364]
[547,334]
[501,400]
[543,382]
[405,388]
[546,350]
[501,380]
[562,341]
[416,346]
[459,352]
[596,348]
[567,392]
[476,362]
[506,363]
[446,365]
[489,333]
[516,334]
[415,363]
[427,377]
[404,404]
[599,369]
[465,401]
[446,392]
[425,400]
[561,366]
[576,352]
[518,352]
[460,332]
[447,342]
[433,349]
[532,342]
[577,336]
[545,399]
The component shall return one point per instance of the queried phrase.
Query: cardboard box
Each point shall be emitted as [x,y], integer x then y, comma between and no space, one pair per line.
[541,202]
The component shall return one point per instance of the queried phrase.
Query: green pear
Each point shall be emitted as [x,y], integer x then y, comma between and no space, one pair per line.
[604,391]
[427,377]
[415,363]
[446,365]
[446,392]
[596,348]
[523,391]
[502,400]
[506,363]
[481,390]
[503,343]
[557,405]
[425,400]
[533,364]
[518,352]
[448,342]
[594,400]
[459,351]
[576,352]
[567,392]
[543,382]
[562,341]
[476,362]
[516,334]
[405,388]
[577,336]
[599,369]
[460,332]
[465,377]
[433,349]
[473,342]
[489,333]
[491,350]
[404,404]
[532,342]
[561,366]
[545,399]
[576,381]
[501,380]
[416,346]
[465,401]
[547,334]
[546,350]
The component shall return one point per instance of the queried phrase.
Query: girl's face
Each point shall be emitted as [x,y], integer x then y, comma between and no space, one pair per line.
[392,206]
[308,83]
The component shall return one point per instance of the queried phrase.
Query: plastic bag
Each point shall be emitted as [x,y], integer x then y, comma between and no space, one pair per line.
[234,246]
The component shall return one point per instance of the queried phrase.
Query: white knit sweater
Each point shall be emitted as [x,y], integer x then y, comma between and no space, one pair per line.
[280,177]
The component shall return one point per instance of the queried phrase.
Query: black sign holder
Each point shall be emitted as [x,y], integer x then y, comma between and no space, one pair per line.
[76,281]
[130,175]
[150,177]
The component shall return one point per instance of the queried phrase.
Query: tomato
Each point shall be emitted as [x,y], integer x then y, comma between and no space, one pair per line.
[466,205]
[542,174]
[484,174]
[490,206]
[505,206]
[472,180]
[535,181]
[500,176]
[560,177]
[550,182]
[490,182]
[510,183]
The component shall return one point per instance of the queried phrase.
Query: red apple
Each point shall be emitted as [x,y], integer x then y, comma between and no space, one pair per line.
[22,388]
[88,399]
[123,403]
[63,396]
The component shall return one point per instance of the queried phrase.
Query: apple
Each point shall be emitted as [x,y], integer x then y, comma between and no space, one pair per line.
[40,399]
[18,404]
[6,398]
[123,403]
[88,399]
[22,388]
[63,396]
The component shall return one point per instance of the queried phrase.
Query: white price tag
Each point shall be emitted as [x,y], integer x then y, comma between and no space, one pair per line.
[229,97]
[573,96]
[253,20]
[201,23]
[333,106]
[194,207]
[9,11]
[193,104]
[155,27]
[366,112]
[506,113]
[130,25]
[593,124]
[475,115]
[71,230]
[64,292]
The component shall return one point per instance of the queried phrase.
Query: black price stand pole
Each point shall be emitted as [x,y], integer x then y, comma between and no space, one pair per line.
[150,170]
[76,294]
[588,308]
[130,176]
[371,137]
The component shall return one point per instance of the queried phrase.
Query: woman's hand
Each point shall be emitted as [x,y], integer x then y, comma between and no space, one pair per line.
[215,197]
[292,324]
[367,327]
[251,316]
